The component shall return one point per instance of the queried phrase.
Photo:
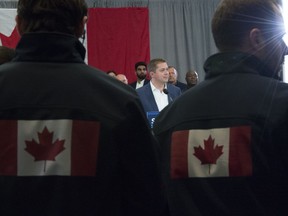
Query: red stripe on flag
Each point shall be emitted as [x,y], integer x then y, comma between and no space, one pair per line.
[179,154]
[8,147]
[240,159]
[85,142]
[12,40]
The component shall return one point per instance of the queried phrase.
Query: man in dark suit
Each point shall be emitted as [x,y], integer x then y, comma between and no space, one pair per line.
[173,79]
[141,73]
[157,94]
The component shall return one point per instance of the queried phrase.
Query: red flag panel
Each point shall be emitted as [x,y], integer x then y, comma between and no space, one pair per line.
[10,41]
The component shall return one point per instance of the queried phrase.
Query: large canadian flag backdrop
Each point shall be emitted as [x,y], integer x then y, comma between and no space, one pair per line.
[219,152]
[8,34]
[48,147]
[117,38]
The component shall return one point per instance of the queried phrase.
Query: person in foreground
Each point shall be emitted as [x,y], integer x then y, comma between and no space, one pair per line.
[225,143]
[69,145]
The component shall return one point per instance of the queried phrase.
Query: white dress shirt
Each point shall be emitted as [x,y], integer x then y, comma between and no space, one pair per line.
[139,84]
[160,97]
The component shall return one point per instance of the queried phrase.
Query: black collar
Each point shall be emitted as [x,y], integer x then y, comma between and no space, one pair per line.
[236,62]
[49,47]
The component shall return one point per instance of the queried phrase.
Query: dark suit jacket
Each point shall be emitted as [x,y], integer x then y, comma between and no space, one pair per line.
[181,85]
[147,98]
[133,84]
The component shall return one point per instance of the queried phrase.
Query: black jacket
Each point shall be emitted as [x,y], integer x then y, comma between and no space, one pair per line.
[48,92]
[181,85]
[225,142]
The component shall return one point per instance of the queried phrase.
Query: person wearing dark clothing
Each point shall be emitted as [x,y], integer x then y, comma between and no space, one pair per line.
[173,79]
[157,94]
[141,74]
[224,144]
[191,78]
[69,141]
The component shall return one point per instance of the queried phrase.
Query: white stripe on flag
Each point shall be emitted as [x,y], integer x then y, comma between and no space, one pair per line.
[28,164]
[219,137]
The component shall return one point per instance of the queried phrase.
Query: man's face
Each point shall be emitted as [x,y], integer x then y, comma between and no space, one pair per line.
[172,75]
[161,75]
[191,78]
[141,72]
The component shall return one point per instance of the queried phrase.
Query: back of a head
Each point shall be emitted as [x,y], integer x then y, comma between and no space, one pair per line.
[233,19]
[122,78]
[63,16]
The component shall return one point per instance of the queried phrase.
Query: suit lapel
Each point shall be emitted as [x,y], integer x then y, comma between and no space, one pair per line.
[150,95]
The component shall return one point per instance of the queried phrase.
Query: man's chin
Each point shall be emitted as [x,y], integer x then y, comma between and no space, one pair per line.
[142,77]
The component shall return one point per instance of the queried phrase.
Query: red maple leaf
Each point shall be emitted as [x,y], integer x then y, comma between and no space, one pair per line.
[45,149]
[208,155]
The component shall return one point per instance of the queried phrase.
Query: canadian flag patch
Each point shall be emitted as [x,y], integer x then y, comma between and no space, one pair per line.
[218,152]
[48,147]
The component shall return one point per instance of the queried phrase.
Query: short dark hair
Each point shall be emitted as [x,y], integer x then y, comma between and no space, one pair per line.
[140,64]
[152,66]
[233,19]
[63,16]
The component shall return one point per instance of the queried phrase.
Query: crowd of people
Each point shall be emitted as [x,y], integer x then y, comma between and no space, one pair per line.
[76,141]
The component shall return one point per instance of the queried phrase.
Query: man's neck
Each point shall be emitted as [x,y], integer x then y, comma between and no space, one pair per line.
[173,82]
[191,85]
[159,85]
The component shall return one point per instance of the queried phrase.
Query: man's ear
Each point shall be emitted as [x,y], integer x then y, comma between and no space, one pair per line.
[256,39]
[80,30]
[84,21]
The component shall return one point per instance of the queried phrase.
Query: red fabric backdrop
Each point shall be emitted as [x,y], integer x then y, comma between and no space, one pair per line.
[118,38]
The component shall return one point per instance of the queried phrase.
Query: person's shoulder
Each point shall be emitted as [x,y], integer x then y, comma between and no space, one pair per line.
[146,81]
[144,88]
[181,84]
[173,87]
[133,84]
